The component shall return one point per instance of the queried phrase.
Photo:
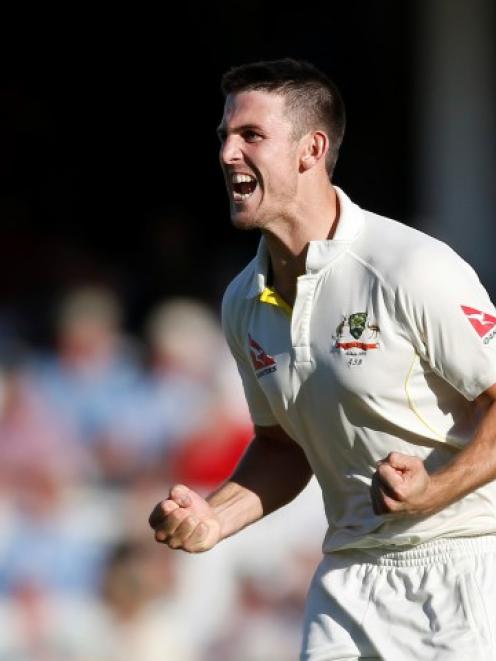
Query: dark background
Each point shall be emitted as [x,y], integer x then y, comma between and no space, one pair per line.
[108,152]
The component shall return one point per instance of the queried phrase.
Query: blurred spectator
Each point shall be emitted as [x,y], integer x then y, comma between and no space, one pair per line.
[94,377]
[35,445]
[190,360]
[268,613]
[141,618]
[39,626]
[89,437]
[56,538]
[133,617]
[172,399]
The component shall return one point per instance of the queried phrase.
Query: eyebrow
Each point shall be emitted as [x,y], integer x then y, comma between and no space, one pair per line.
[222,131]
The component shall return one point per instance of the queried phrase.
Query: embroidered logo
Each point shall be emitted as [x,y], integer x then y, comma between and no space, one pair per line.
[355,337]
[262,362]
[357,323]
[482,322]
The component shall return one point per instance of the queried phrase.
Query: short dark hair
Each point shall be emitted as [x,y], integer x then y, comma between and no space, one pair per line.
[312,99]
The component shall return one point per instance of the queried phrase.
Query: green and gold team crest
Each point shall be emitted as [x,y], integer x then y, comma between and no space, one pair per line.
[357,323]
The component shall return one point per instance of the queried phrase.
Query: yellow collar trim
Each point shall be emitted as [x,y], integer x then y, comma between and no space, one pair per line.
[270,296]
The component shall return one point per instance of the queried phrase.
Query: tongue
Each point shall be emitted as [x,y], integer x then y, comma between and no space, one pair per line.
[245,187]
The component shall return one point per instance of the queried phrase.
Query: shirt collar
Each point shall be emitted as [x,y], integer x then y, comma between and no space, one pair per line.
[320,253]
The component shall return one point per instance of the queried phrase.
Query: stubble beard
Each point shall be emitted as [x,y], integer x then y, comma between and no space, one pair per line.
[246,222]
[263,217]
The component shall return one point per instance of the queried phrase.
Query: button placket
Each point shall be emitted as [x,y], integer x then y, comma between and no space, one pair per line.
[300,321]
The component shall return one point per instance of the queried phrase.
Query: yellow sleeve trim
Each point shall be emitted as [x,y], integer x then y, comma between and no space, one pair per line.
[270,296]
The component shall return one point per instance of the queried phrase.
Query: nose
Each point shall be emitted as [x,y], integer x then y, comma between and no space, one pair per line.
[230,151]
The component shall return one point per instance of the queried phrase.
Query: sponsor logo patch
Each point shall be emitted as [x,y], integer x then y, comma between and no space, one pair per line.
[262,362]
[482,322]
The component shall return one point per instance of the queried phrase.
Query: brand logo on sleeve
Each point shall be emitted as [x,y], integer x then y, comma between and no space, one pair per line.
[262,362]
[482,322]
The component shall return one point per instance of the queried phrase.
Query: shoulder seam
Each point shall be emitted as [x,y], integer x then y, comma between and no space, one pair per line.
[388,289]
[369,267]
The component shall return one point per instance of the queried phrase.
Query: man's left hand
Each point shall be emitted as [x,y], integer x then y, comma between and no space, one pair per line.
[401,485]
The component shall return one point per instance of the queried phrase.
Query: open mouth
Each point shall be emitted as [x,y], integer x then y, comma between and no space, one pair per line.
[242,186]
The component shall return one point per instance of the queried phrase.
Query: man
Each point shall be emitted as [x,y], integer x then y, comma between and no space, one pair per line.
[367,352]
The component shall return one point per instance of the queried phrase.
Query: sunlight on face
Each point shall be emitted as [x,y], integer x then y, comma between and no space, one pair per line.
[258,156]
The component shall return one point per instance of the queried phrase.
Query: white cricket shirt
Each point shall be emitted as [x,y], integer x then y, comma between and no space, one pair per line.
[390,339]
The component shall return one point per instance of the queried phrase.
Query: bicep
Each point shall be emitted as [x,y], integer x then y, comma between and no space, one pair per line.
[276,442]
[488,396]
[274,433]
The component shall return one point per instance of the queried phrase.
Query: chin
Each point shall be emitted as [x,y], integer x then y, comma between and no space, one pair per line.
[242,220]
[244,225]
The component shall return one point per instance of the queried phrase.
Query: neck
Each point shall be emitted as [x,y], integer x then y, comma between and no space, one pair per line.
[287,242]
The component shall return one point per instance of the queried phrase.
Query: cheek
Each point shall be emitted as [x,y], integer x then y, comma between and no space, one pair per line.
[278,172]
[282,182]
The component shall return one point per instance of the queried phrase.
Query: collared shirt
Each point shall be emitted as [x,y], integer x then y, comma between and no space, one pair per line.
[390,339]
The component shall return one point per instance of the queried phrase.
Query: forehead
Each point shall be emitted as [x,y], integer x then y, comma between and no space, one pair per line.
[255,107]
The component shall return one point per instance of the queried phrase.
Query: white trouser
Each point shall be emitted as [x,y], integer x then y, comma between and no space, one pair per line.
[435,601]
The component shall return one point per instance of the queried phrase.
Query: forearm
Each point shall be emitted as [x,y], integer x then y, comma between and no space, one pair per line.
[269,475]
[471,468]
[401,484]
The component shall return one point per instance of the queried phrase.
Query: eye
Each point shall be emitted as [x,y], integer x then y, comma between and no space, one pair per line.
[251,136]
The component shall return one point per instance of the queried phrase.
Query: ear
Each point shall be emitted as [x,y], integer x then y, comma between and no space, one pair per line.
[315,146]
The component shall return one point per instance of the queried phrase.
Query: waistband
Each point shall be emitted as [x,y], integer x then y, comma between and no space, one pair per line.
[433,552]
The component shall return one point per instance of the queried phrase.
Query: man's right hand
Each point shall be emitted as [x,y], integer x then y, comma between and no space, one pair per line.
[185,521]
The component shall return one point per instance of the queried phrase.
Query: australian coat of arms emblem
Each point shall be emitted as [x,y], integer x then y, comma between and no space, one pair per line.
[355,336]
[357,323]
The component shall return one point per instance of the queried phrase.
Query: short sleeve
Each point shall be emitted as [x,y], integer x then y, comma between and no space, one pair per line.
[450,318]
[258,404]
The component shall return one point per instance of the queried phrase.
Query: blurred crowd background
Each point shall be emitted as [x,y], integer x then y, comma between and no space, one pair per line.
[116,247]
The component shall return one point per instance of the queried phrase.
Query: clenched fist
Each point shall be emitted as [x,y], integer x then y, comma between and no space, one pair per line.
[401,485]
[185,521]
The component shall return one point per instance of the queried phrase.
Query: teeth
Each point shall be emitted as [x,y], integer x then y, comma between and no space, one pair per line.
[239,197]
[238,178]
